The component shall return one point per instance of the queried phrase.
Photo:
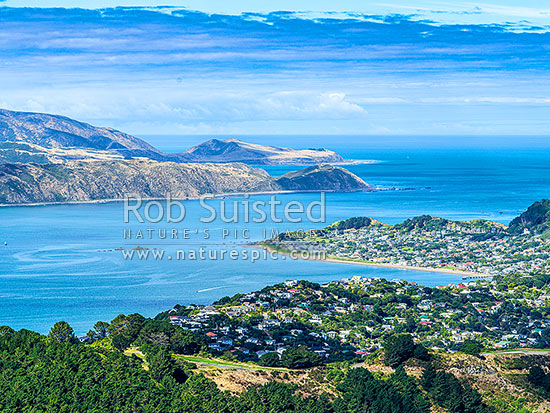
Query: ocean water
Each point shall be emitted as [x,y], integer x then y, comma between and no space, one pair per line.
[60,261]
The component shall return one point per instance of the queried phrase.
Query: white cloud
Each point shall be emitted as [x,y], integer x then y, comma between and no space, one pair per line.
[336,103]
[379,100]
[489,99]
[161,77]
[513,11]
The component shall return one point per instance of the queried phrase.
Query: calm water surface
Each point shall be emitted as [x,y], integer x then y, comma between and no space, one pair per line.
[55,266]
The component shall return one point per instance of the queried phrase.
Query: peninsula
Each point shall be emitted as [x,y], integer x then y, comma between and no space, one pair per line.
[49,158]
[235,150]
[46,138]
[474,249]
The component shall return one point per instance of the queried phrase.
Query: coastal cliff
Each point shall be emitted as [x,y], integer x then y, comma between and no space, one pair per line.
[51,158]
[79,181]
[323,176]
[536,219]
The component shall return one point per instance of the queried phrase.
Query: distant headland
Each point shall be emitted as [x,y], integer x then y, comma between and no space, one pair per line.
[50,159]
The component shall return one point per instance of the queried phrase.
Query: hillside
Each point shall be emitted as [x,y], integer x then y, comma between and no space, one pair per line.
[51,158]
[473,248]
[40,137]
[501,379]
[100,180]
[45,138]
[234,150]
[138,364]
[322,176]
[536,219]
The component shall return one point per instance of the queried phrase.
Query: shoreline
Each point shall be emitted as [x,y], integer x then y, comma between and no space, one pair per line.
[464,274]
[358,162]
[111,200]
[300,165]
[192,198]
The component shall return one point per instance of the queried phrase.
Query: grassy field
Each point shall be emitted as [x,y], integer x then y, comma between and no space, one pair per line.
[214,362]
[205,362]
[520,350]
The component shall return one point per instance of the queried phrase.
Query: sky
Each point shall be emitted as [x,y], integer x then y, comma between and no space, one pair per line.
[449,11]
[248,68]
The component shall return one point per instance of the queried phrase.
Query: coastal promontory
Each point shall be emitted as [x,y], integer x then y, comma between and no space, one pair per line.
[50,158]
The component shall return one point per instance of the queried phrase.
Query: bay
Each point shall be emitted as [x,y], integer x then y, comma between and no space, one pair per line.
[60,261]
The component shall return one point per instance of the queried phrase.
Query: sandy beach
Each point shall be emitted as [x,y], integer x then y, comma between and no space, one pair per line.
[384,265]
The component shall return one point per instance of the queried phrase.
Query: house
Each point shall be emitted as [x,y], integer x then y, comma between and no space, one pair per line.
[425,305]
[280,350]
[215,346]
[226,341]
[344,334]
[243,350]
[260,353]
[315,319]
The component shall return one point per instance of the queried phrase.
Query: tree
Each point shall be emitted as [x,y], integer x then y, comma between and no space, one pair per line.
[410,325]
[362,392]
[120,342]
[134,323]
[186,342]
[124,330]
[223,301]
[471,347]
[449,393]
[545,337]
[117,323]
[161,365]
[421,353]
[409,390]
[299,358]
[62,332]
[538,378]
[398,349]
[101,328]
[270,360]
[428,376]
[355,223]
[201,395]
[155,333]
[41,375]
[280,397]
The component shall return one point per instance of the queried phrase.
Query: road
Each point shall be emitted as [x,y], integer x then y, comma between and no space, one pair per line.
[524,352]
[225,366]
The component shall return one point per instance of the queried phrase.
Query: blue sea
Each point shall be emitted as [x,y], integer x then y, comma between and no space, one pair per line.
[61,263]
